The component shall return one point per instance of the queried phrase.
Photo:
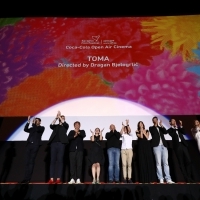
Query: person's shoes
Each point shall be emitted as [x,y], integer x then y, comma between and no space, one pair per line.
[110,181]
[94,181]
[124,181]
[117,182]
[191,181]
[129,181]
[50,181]
[58,181]
[170,182]
[72,181]
[161,181]
[78,181]
[25,182]
[97,182]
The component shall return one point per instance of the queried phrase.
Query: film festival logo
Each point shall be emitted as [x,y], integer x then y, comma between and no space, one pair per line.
[96,40]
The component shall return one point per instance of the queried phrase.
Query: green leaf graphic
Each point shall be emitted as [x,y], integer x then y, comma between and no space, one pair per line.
[9,21]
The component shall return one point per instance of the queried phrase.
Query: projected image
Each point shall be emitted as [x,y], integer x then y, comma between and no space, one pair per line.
[151,62]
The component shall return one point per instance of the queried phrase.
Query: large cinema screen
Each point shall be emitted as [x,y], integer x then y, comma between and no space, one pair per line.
[98,71]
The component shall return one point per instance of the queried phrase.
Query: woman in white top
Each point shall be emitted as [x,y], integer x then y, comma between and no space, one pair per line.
[126,152]
[196,132]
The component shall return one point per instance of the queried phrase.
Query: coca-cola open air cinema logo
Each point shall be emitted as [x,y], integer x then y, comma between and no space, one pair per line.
[102,58]
[97,43]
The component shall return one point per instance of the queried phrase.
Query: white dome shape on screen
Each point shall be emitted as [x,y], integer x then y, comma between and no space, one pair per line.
[95,112]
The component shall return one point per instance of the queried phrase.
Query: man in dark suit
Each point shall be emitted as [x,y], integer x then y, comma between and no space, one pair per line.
[180,147]
[32,147]
[160,150]
[58,141]
[76,148]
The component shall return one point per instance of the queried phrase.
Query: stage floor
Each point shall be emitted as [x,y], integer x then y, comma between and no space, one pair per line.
[136,191]
[104,183]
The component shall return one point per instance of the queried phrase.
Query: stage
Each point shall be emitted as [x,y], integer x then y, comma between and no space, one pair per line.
[12,171]
[43,191]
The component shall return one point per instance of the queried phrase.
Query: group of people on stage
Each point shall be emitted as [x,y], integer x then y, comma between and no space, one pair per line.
[148,150]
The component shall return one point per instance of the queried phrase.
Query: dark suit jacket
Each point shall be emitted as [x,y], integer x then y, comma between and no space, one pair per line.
[35,133]
[76,141]
[175,140]
[156,136]
[61,130]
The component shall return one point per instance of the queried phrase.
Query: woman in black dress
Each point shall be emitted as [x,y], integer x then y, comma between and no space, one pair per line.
[96,157]
[146,166]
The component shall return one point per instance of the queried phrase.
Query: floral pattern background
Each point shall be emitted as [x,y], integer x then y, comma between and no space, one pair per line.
[166,49]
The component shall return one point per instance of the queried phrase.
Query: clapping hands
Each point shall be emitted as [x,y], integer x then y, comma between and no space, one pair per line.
[59,114]
[91,131]
[127,122]
[29,119]
[102,130]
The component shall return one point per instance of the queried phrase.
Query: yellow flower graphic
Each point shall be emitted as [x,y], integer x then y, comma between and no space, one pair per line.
[180,34]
